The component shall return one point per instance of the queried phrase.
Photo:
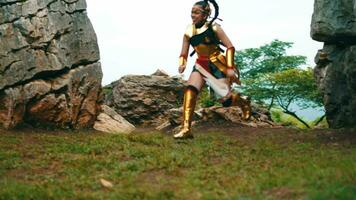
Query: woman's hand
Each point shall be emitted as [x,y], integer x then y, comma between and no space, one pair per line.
[232,76]
[181,68]
[230,73]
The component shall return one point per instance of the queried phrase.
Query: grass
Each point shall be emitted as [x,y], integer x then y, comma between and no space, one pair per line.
[225,164]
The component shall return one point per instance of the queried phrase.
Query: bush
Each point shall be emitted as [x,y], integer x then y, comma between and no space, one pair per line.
[207,98]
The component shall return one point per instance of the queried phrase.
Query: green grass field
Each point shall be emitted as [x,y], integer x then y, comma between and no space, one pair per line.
[235,163]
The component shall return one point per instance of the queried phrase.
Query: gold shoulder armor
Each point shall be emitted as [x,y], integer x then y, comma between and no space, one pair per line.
[215,27]
[190,31]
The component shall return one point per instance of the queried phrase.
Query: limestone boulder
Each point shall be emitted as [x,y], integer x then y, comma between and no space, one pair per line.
[50,74]
[334,21]
[68,101]
[335,74]
[110,122]
[143,99]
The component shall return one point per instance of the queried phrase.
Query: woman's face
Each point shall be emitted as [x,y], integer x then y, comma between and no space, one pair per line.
[198,15]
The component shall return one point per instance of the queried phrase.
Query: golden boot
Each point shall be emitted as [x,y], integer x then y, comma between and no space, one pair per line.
[243,102]
[190,97]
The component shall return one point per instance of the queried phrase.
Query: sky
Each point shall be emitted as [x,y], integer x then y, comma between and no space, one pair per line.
[139,37]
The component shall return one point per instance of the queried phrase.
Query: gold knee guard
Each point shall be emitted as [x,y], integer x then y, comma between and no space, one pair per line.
[190,97]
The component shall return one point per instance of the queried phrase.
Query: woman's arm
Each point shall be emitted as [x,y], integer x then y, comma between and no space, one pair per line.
[183,54]
[222,36]
[230,52]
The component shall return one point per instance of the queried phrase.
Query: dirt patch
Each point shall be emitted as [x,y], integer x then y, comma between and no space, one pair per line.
[282,135]
[250,135]
[31,136]
[336,136]
[160,178]
[26,174]
[282,193]
[49,131]
[147,129]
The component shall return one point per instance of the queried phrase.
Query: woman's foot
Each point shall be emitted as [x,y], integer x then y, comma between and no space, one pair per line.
[185,133]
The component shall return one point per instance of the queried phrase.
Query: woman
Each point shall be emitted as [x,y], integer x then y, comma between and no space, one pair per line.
[205,37]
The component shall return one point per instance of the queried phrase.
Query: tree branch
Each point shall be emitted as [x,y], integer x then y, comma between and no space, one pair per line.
[296,117]
[321,119]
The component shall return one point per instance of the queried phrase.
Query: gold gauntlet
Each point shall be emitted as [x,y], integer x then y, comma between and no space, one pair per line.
[230,54]
[182,60]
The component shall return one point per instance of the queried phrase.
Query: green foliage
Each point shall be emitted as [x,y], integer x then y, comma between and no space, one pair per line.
[269,58]
[299,85]
[266,164]
[270,76]
[263,68]
[276,115]
[207,98]
[107,90]
[290,86]
[283,119]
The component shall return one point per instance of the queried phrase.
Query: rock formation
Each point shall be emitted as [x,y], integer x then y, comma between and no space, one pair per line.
[50,73]
[334,23]
[206,117]
[143,100]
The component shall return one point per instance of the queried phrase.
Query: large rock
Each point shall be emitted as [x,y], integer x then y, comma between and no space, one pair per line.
[110,122]
[334,22]
[50,73]
[143,100]
[336,77]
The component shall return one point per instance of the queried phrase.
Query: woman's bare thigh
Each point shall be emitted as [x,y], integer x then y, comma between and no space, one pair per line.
[196,80]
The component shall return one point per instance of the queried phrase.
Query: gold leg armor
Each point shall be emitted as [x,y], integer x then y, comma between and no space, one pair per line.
[190,97]
[242,102]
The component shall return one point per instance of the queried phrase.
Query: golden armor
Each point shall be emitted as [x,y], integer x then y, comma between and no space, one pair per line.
[190,98]
[242,102]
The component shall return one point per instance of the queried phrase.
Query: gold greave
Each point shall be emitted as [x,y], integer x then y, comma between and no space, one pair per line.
[243,103]
[190,97]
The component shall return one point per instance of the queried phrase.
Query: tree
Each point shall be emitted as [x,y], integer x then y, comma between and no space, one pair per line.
[254,63]
[294,86]
[271,77]
[268,58]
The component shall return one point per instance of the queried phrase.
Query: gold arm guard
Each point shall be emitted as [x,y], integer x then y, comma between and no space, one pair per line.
[182,60]
[230,53]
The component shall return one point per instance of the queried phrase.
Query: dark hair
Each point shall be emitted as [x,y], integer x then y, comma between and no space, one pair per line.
[207,10]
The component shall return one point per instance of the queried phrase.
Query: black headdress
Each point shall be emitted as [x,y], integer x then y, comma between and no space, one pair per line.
[216,8]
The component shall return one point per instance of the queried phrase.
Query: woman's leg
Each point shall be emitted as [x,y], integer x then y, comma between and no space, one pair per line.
[196,80]
[235,99]
[195,83]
